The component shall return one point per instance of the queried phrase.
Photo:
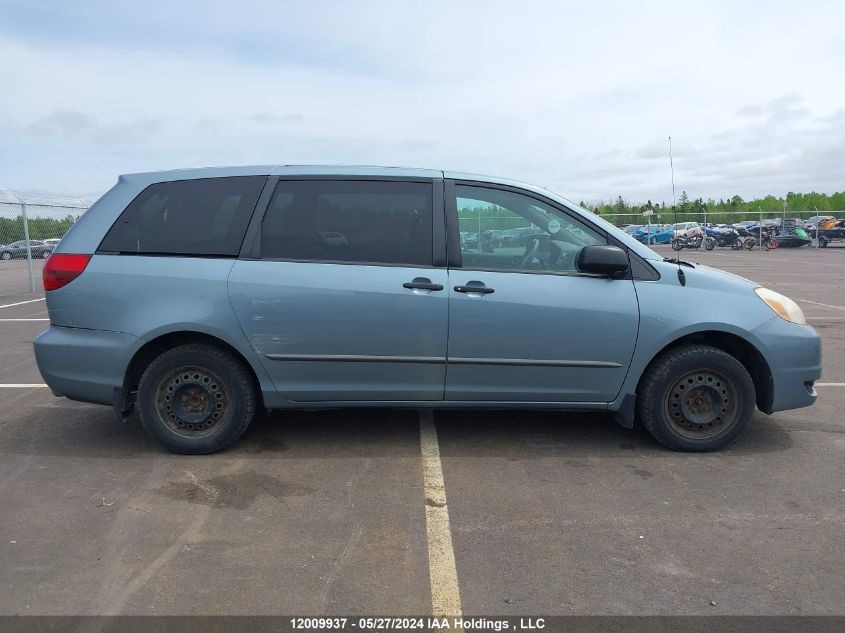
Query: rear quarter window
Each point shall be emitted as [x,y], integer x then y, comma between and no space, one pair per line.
[206,216]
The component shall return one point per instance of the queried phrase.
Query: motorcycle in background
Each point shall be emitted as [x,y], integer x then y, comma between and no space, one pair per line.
[767,234]
[722,238]
[693,241]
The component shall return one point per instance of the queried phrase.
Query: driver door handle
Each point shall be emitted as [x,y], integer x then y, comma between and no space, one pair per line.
[475,286]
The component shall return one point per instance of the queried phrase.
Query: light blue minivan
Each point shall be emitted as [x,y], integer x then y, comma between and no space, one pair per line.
[197,296]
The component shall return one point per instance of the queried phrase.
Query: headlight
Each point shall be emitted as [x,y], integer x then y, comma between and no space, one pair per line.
[785,307]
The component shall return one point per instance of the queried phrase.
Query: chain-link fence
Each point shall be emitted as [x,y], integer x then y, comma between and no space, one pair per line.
[755,221]
[666,216]
[28,234]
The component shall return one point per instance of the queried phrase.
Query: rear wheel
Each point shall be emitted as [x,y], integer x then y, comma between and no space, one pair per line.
[196,398]
[5,256]
[709,244]
[676,244]
[695,398]
[823,241]
[736,244]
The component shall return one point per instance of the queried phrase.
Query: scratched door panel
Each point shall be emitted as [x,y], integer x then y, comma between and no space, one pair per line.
[344,332]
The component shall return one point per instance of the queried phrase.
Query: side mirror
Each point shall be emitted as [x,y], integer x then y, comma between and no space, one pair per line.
[602,260]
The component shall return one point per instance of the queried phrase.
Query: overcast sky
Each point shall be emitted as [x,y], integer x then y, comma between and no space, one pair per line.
[579,97]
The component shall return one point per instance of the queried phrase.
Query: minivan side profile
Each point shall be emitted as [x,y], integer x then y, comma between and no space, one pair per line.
[194,297]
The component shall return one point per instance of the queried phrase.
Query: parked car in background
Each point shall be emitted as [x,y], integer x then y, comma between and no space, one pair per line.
[197,297]
[654,234]
[745,224]
[687,229]
[518,236]
[17,250]
[53,242]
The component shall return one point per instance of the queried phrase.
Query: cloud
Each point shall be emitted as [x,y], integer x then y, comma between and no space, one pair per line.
[72,123]
[271,117]
[62,122]
[545,97]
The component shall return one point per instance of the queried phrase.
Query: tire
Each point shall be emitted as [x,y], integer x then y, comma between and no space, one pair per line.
[822,242]
[676,245]
[201,374]
[5,256]
[772,244]
[709,244]
[736,244]
[691,425]
[45,254]
[750,242]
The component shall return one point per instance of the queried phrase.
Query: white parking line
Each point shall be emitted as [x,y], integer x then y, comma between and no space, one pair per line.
[20,303]
[22,385]
[24,319]
[443,576]
[826,305]
[829,384]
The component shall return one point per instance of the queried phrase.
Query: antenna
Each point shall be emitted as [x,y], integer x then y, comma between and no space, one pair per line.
[672,169]
[681,277]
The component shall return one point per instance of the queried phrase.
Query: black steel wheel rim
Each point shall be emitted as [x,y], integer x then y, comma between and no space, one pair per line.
[193,401]
[702,404]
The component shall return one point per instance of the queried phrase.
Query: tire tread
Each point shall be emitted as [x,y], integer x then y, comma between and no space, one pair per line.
[244,387]
[661,371]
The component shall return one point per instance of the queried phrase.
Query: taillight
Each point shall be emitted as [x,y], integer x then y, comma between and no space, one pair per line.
[61,268]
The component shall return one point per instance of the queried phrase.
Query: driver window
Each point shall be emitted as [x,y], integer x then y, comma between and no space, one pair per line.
[502,230]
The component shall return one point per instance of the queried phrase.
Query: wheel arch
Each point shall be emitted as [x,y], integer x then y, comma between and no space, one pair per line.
[154,347]
[741,349]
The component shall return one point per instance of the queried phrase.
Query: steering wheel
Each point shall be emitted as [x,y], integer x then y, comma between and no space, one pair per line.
[530,252]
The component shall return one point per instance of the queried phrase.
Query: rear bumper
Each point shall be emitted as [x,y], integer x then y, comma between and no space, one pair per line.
[83,364]
[794,355]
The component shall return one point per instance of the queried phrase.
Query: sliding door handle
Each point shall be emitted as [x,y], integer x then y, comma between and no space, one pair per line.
[422,283]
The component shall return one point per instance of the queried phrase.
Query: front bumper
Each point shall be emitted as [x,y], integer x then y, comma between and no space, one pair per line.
[83,364]
[794,355]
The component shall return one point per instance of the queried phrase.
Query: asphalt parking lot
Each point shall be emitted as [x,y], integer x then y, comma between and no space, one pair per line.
[14,277]
[325,512]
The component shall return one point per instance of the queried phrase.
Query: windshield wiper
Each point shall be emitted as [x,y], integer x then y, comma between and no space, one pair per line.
[679,262]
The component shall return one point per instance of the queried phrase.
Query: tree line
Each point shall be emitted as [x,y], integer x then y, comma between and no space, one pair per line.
[11,229]
[722,210]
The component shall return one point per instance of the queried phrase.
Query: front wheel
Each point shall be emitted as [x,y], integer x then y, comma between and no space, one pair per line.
[709,244]
[736,245]
[695,398]
[823,242]
[676,244]
[196,398]
[5,256]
